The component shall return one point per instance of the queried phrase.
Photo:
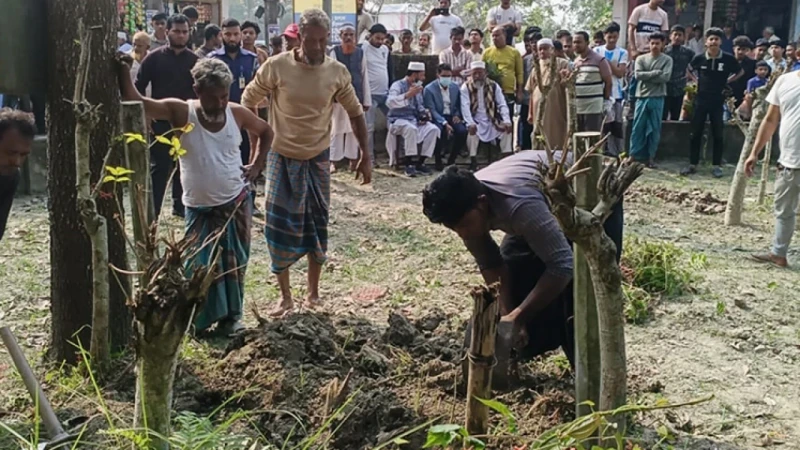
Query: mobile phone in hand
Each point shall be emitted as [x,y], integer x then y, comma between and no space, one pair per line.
[441,11]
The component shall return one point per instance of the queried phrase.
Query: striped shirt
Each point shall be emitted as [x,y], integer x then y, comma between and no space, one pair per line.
[462,61]
[589,85]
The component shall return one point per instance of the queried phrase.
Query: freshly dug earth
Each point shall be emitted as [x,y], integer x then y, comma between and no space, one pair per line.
[699,201]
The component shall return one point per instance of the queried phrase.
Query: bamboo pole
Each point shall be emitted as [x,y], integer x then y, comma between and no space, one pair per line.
[481,356]
[762,184]
[587,333]
[137,159]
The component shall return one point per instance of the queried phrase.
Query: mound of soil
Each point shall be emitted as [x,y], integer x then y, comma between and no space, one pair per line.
[701,202]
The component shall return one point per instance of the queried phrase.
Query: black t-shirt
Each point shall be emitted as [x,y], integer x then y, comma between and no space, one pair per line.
[8,187]
[740,86]
[713,73]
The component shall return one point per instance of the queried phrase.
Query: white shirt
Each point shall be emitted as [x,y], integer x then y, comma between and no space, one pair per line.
[377,60]
[647,21]
[786,95]
[698,46]
[487,132]
[499,16]
[446,98]
[618,56]
[441,26]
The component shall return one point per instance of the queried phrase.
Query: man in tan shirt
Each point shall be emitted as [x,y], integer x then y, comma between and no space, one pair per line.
[303,85]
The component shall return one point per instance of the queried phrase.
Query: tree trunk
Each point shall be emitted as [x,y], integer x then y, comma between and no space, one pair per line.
[733,210]
[70,249]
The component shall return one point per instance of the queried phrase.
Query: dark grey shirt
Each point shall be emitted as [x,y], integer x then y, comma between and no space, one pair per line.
[8,187]
[518,207]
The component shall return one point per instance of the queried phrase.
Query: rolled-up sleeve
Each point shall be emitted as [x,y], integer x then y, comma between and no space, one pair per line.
[533,220]
[261,86]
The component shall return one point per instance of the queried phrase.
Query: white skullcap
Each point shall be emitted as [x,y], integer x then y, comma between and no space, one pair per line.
[121,35]
[416,66]
[545,41]
[477,65]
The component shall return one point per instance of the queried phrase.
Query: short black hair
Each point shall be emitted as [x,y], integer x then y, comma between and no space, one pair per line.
[159,17]
[763,64]
[477,30]
[378,28]
[599,35]
[532,29]
[697,27]
[176,18]
[406,32]
[211,31]
[743,41]
[190,12]
[558,46]
[778,43]
[457,31]
[715,31]
[563,33]
[19,120]
[444,67]
[250,24]
[613,27]
[230,23]
[678,28]
[584,34]
[451,195]
[657,36]
[276,41]
[390,37]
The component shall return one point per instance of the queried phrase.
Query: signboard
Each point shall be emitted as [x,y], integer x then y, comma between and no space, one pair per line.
[302,5]
[342,12]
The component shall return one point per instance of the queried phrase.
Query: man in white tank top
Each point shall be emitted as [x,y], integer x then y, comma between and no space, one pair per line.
[214,181]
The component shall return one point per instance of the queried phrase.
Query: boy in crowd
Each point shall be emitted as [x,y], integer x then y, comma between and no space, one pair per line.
[762,47]
[653,72]
[760,79]
[742,45]
[681,57]
[777,50]
[617,58]
[697,43]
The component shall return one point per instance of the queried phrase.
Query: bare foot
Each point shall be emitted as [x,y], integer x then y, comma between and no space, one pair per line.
[285,308]
[333,168]
[313,302]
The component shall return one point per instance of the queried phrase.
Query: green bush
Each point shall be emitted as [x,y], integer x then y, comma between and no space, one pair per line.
[661,267]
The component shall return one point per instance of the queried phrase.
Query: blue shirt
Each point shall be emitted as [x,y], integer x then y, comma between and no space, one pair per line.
[411,109]
[243,67]
[755,83]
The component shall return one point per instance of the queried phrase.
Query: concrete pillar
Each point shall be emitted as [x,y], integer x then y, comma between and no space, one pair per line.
[709,14]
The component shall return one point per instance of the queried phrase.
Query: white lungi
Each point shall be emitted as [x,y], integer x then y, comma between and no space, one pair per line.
[344,145]
[487,131]
[413,134]
[473,140]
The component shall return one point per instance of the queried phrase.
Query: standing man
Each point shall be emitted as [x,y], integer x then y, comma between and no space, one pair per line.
[554,119]
[727,37]
[509,63]
[784,110]
[291,37]
[195,36]
[714,69]
[344,143]
[681,58]
[485,112]
[443,100]
[777,51]
[141,46]
[159,36]
[167,71]
[507,18]
[456,56]
[304,84]
[406,41]
[408,118]
[593,85]
[565,37]
[17,130]
[379,70]
[442,23]
[742,46]
[250,32]
[762,47]
[525,128]
[653,72]
[645,20]
[363,21]
[213,41]
[424,43]
[617,58]
[476,44]
[697,43]
[216,182]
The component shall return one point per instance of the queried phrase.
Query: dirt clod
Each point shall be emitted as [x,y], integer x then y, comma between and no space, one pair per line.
[700,202]
[400,332]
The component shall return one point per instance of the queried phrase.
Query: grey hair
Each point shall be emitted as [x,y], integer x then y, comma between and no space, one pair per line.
[211,72]
[314,17]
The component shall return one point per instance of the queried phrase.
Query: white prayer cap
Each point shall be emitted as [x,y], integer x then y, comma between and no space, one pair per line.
[545,41]
[122,35]
[477,65]
[347,26]
[416,66]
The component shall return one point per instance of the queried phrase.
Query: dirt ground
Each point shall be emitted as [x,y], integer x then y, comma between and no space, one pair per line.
[396,298]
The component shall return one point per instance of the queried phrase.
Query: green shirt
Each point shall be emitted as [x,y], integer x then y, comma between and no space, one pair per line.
[509,62]
[652,75]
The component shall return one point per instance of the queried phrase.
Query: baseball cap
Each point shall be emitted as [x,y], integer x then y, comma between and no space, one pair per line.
[291,31]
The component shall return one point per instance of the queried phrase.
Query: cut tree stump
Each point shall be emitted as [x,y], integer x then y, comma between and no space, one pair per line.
[485,316]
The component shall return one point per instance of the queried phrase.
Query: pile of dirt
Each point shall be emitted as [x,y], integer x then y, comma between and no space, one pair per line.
[700,202]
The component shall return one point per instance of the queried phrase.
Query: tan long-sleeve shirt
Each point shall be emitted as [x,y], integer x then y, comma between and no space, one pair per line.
[302,100]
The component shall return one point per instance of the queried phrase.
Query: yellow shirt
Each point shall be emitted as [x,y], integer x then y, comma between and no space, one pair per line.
[509,62]
[301,102]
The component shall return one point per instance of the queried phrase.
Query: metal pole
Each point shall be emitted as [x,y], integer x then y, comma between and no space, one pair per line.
[49,419]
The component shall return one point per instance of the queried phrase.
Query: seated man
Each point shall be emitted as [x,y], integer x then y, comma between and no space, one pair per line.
[533,263]
[443,100]
[408,118]
[485,112]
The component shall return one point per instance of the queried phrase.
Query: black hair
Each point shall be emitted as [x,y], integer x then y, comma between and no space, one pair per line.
[477,30]
[211,31]
[534,36]
[457,31]
[176,18]
[19,120]
[444,67]
[599,35]
[406,32]
[563,33]
[532,29]
[450,196]
[276,41]
[657,36]
[763,64]
[390,37]
[249,24]
[697,27]
[730,24]
[743,41]
[190,12]
[780,43]
[584,34]
[230,23]
[613,27]
[159,17]
[715,31]
[678,28]
[558,46]
[378,28]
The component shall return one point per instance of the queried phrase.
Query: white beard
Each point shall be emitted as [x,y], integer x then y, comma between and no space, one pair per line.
[480,83]
[214,118]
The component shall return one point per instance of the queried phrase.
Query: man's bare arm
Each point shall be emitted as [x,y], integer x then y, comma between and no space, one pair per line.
[632,40]
[173,110]
[767,129]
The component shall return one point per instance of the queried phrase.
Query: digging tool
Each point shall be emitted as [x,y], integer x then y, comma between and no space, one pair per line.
[58,437]
[502,352]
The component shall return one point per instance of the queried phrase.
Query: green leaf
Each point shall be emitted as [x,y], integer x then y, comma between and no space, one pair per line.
[663,432]
[476,443]
[502,410]
[131,137]
[163,140]
[772,285]
[122,179]
[400,441]
[108,178]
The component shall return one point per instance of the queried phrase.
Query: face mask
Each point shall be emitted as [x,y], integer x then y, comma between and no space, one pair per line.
[445,81]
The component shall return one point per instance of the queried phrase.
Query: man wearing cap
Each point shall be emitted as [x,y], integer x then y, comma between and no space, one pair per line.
[291,36]
[554,120]
[378,60]
[485,112]
[408,118]
[762,47]
[343,142]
